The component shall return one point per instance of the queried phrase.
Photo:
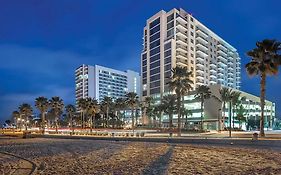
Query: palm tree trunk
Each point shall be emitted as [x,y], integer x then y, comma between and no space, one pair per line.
[223,120]
[107,117]
[133,119]
[43,121]
[262,99]
[233,114]
[72,124]
[185,121]
[179,114]
[56,123]
[91,124]
[230,105]
[202,110]
[170,120]
[82,118]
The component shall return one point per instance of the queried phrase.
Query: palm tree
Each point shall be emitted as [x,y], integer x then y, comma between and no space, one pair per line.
[235,96]
[118,106]
[56,104]
[25,111]
[186,112]
[224,98]
[70,111]
[82,104]
[107,102]
[132,101]
[93,109]
[240,116]
[264,61]
[157,113]
[148,107]
[202,93]
[16,116]
[181,84]
[42,104]
[169,105]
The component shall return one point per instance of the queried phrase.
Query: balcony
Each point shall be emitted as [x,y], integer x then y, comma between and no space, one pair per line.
[212,70]
[199,57]
[202,46]
[181,35]
[220,51]
[200,69]
[181,26]
[200,63]
[223,59]
[181,41]
[182,62]
[200,38]
[181,19]
[201,32]
[213,75]
[181,55]
[222,46]
[220,73]
[212,64]
[181,48]
[221,69]
[201,52]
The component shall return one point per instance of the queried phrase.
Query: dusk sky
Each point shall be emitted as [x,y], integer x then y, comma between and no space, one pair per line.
[42,42]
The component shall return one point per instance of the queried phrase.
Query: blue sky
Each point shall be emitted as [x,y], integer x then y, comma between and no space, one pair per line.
[42,42]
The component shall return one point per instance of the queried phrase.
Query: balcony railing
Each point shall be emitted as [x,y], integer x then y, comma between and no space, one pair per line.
[201,31]
[202,52]
[201,38]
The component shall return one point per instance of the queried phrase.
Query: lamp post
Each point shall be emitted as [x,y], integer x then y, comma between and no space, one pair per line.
[219,120]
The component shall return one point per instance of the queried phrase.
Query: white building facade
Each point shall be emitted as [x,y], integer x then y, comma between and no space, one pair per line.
[98,81]
[177,38]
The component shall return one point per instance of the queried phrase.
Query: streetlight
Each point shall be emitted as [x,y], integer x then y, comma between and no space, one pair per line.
[219,120]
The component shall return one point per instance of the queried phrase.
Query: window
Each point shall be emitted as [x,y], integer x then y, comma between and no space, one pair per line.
[154,23]
[191,26]
[155,64]
[154,44]
[144,56]
[154,51]
[155,77]
[168,74]
[168,67]
[154,58]
[170,17]
[154,71]
[167,53]
[154,30]
[155,90]
[170,33]
[167,46]
[170,25]
[191,48]
[167,60]
[191,33]
[154,37]
[155,84]
[191,40]
[191,55]
[191,61]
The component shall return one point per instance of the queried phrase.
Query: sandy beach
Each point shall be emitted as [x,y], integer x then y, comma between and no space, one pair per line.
[67,156]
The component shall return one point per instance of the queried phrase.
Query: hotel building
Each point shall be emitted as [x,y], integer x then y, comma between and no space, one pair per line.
[177,38]
[98,81]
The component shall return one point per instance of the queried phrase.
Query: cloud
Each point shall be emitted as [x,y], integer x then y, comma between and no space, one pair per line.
[11,102]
